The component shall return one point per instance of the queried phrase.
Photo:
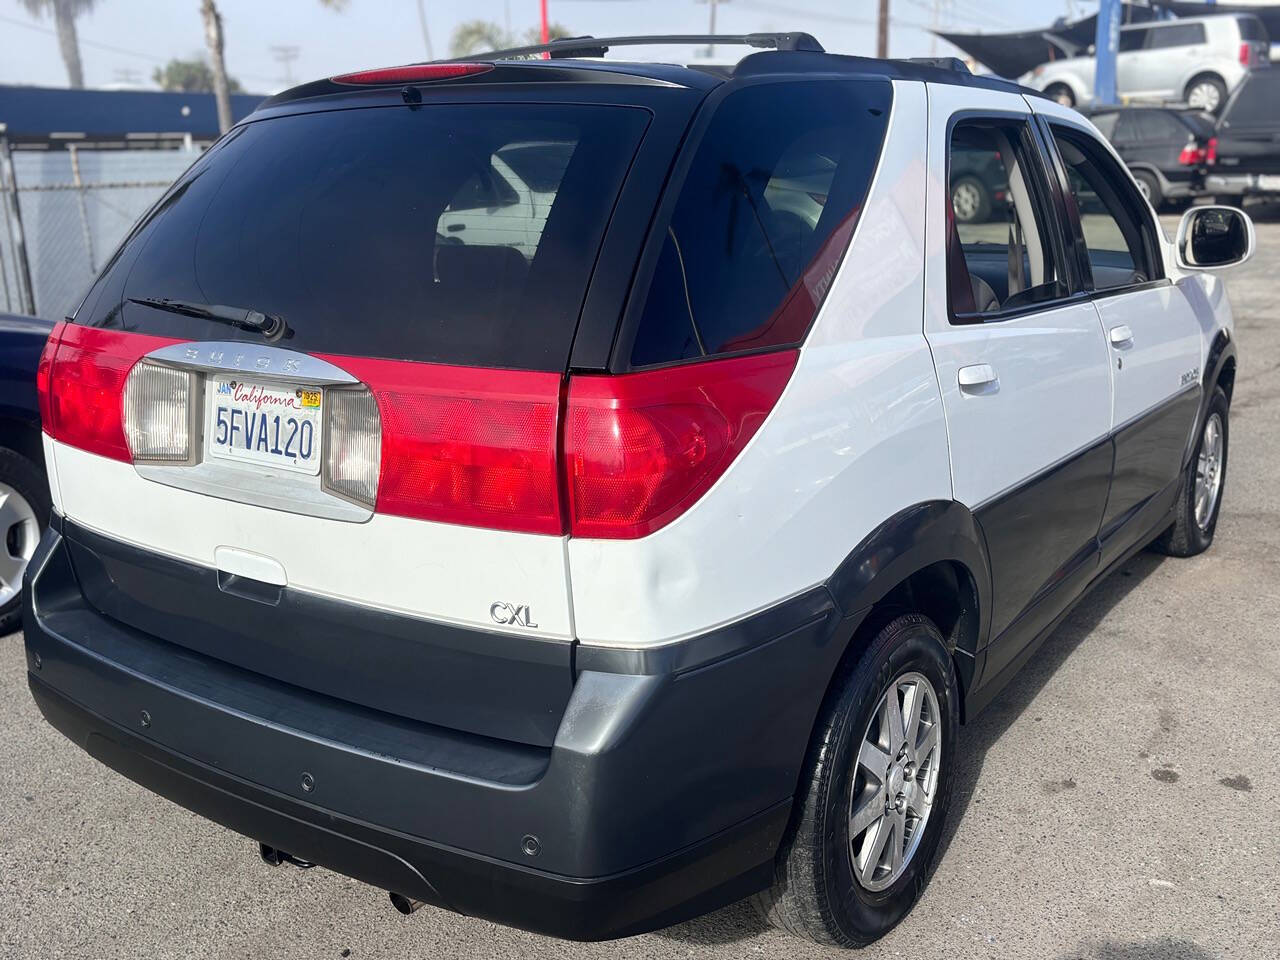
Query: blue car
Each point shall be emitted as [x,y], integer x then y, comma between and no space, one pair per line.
[24,491]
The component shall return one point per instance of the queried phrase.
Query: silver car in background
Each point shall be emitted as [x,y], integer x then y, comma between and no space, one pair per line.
[1199,60]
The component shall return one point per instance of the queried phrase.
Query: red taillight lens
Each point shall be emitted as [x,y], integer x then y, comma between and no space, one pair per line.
[414,73]
[466,445]
[44,372]
[1211,152]
[85,391]
[1246,55]
[1193,155]
[641,448]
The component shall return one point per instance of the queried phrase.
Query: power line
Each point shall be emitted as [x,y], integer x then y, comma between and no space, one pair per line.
[108,48]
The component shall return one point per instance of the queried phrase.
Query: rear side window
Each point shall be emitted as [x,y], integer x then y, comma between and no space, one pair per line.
[1252,29]
[1109,126]
[1176,35]
[461,234]
[1131,40]
[1156,126]
[762,219]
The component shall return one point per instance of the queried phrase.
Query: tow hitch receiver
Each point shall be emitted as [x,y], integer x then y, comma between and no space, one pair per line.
[276,857]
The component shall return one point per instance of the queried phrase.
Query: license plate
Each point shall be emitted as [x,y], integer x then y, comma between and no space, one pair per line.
[272,424]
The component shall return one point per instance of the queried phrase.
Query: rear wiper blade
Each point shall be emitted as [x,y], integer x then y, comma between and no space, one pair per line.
[269,325]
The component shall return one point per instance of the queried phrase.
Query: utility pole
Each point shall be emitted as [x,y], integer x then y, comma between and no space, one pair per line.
[882,31]
[422,22]
[711,29]
[285,55]
[1106,45]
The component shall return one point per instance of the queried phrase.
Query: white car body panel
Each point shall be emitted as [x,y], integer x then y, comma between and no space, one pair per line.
[1053,392]
[439,571]
[1169,341]
[857,436]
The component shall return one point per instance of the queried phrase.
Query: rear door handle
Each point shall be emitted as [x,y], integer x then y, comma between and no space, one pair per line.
[1121,336]
[978,378]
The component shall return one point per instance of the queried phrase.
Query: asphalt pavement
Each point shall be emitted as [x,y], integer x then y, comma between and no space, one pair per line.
[1121,800]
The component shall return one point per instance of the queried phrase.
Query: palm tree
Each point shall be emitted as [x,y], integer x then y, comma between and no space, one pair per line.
[214,38]
[64,21]
[475,36]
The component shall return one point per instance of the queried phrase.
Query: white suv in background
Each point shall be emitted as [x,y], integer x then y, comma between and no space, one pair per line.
[1199,60]
[590,586]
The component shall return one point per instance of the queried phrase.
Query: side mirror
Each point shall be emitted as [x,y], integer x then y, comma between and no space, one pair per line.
[1214,238]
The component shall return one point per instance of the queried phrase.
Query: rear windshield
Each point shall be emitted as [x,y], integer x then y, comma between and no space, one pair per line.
[1255,102]
[451,233]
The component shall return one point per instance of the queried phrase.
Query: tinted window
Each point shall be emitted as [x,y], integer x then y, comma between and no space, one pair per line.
[540,165]
[1006,260]
[1252,29]
[1110,211]
[1107,126]
[1255,104]
[1155,126]
[1132,40]
[1175,35]
[762,219]
[388,232]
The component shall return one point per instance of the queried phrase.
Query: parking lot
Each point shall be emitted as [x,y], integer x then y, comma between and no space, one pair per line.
[1120,800]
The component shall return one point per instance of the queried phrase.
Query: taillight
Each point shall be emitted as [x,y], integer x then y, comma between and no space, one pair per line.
[414,73]
[157,413]
[641,448]
[1211,151]
[44,371]
[1193,155]
[465,445]
[1246,55]
[86,383]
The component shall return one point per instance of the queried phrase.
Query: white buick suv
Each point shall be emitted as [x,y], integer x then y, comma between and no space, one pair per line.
[647,559]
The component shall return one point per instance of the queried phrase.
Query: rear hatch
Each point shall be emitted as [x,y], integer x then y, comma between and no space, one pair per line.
[338,348]
[1249,130]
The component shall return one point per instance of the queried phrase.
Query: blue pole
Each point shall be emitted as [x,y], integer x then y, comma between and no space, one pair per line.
[1107,45]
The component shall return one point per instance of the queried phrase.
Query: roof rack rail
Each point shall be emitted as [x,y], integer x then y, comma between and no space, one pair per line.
[599,46]
[942,63]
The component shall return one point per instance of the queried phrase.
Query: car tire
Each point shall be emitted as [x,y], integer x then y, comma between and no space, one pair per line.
[1060,93]
[1149,187]
[24,513]
[1207,92]
[971,200]
[829,884]
[1206,476]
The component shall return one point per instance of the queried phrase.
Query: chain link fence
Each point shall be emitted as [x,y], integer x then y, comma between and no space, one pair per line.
[64,212]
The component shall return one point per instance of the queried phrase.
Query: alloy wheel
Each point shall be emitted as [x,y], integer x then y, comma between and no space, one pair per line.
[21,532]
[896,781]
[1209,472]
[965,201]
[1204,96]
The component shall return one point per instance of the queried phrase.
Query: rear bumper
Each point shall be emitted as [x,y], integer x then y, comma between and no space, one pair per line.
[665,794]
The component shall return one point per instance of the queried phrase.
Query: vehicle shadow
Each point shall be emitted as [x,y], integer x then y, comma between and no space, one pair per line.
[739,921]
[978,736]
[1164,948]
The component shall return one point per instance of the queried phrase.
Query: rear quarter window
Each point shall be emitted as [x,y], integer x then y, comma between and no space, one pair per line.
[452,233]
[762,217]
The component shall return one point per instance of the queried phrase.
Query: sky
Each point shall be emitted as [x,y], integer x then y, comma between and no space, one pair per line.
[122,41]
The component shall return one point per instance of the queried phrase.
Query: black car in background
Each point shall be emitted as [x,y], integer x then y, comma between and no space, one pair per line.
[1248,135]
[1169,150]
[24,491]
